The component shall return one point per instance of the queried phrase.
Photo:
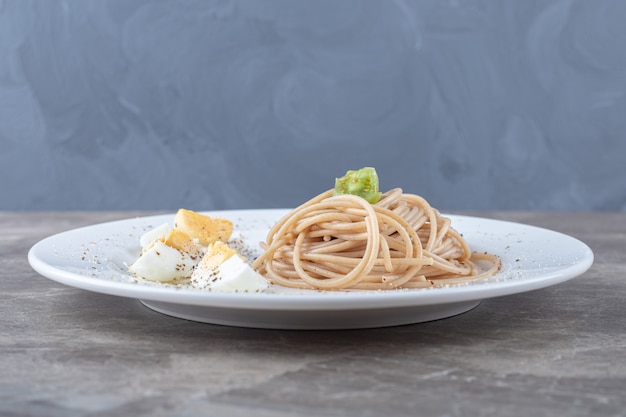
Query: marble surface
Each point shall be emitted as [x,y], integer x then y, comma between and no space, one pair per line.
[556,351]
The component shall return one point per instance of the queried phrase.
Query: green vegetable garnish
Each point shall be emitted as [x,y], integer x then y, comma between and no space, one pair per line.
[362,182]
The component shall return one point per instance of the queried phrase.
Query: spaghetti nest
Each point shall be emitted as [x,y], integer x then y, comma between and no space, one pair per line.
[337,242]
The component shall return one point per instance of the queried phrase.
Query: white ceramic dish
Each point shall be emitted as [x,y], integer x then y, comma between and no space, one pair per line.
[94,258]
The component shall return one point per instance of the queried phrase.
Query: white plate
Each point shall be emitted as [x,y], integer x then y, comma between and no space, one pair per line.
[94,258]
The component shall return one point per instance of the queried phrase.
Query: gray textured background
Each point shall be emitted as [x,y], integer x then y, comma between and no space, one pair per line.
[474,104]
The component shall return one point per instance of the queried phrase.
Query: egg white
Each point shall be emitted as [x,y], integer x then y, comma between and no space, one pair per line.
[163,263]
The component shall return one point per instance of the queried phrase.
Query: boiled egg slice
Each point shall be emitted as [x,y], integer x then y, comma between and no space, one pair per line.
[168,258]
[150,236]
[223,269]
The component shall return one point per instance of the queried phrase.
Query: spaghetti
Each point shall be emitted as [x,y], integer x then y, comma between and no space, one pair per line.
[335,242]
